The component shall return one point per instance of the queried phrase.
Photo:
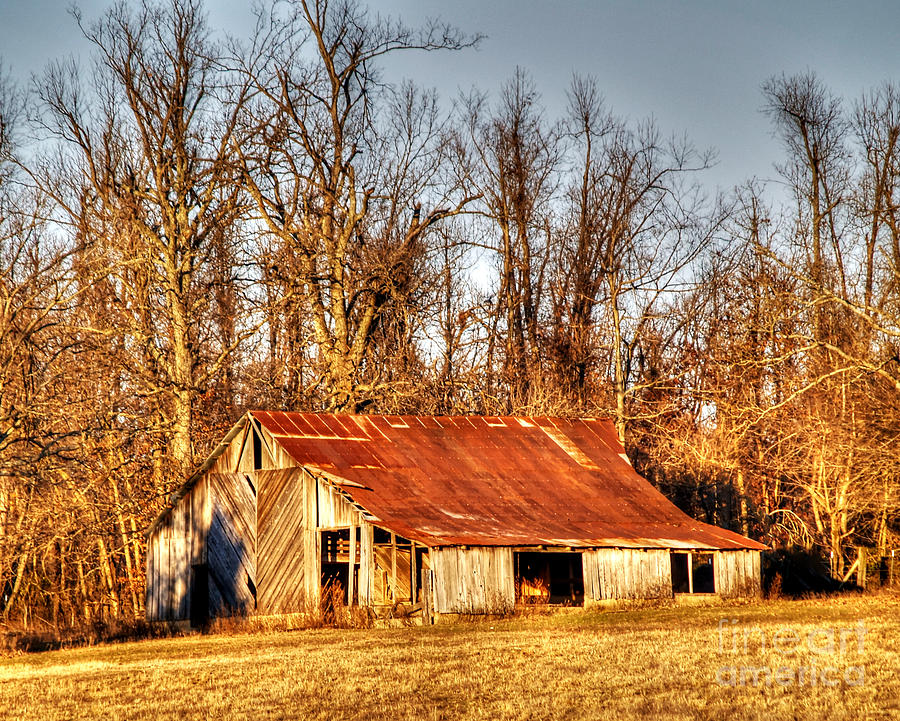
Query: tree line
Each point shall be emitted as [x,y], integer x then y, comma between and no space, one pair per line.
[193,225]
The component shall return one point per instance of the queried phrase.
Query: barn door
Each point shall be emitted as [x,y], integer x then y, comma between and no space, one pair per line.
[199,595]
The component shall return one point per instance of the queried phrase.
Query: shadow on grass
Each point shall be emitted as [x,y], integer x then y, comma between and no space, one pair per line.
[19,640]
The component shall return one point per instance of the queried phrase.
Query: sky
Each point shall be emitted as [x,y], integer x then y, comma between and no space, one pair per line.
[695,66]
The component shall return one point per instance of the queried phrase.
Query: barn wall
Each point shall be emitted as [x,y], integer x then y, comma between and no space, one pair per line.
[284,511]
[293,507]
[213,524]
[622,573]
[738,573]
[230,459]
[333,509]
[473,580]
[231,544]
[177,544]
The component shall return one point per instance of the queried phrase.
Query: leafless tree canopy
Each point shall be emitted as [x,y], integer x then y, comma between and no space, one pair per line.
[193,225]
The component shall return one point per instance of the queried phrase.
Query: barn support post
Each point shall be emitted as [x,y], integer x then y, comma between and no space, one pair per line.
[412,572]
[393,567]
[351,569]
[427,602]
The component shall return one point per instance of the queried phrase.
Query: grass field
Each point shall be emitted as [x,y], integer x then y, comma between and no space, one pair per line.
[658,663]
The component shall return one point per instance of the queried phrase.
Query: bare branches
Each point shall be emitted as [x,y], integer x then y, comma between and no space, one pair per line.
[338,175]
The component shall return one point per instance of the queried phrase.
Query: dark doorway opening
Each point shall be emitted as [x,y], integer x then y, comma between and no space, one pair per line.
[680,577]
[199,595]
[693,572]
[335,562]
[549,577]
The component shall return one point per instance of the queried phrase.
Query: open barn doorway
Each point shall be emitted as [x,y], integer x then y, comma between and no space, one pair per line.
[336,567]
[398,568]
[693,572]
[199,595]
[552,577]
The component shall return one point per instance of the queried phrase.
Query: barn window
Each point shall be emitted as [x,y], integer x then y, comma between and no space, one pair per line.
[693,572]
[549,577]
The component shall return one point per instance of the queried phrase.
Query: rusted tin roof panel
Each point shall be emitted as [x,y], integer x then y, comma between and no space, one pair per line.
[494,480]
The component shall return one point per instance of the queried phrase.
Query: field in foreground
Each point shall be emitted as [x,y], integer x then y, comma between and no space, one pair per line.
[706,663]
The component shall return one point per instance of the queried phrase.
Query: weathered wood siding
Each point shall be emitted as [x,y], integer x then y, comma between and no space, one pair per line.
[231,544]
[213,524]
[230,459]
[293,506]
[334,511]
[384,566]
[738,573]
[178,544]
[622,573]
[366,590]
[286,506]
[473,580]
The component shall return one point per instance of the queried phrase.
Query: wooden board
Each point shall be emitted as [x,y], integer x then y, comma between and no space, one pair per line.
[229,460]
[382,577]
[333,509]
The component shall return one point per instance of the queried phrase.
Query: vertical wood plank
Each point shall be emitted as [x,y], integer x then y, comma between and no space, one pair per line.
[367,564]
[312,570]
[690,563]
[351,569]
[617,561]
[150,581]
[427,596]
[393,567]
[755,579]
[603,567]
[412,572]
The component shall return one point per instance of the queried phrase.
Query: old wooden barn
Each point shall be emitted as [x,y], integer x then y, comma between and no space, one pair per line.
[449,514]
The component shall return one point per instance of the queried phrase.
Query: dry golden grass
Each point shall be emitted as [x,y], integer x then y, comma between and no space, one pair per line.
[658,663]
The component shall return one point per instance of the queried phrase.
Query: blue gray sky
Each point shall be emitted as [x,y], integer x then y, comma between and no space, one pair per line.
[696,66]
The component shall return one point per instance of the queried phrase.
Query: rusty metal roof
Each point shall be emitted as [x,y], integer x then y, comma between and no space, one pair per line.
[474,480]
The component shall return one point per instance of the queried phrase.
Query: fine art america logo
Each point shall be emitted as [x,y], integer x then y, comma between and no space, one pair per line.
[791,656]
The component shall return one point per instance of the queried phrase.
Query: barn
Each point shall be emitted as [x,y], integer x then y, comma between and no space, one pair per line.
[445,515]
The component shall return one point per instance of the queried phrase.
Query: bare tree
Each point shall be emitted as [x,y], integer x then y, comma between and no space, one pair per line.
[341,177]
[508,156]
[152,185]
[635,229]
